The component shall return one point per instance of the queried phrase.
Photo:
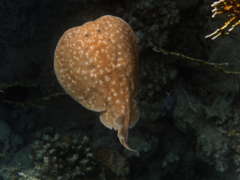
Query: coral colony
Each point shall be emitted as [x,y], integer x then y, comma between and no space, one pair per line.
[232,7]
[96,64]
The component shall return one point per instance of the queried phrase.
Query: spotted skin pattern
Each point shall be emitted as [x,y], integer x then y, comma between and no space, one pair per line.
[97,65]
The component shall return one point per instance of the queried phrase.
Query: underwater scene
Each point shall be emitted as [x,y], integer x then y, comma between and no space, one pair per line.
[119,90]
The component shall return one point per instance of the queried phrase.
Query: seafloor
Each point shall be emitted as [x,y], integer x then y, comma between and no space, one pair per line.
[189,123]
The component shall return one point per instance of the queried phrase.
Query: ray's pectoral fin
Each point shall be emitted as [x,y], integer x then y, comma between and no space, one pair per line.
[122,135]
[107,119]
[119,120]
[96,104]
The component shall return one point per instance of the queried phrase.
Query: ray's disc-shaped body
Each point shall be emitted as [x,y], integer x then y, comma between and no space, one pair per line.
[96,64]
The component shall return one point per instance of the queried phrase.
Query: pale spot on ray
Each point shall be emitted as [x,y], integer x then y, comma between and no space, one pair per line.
[97,65]
[107,78]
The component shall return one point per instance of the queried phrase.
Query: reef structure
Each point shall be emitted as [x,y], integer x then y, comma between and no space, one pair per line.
[61,158]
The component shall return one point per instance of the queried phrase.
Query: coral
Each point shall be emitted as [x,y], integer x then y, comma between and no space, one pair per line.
[114,161]
[14,84]
[172,157]
[232,7]
[11,173]
[220,109]
[235,147]
[214,66]
[27,177]
[63,158]
[157,17]
[154,77]
[39,103]
[157,109]
[144,143]
[211,125]
[212,147]
[150,19]
[68,158]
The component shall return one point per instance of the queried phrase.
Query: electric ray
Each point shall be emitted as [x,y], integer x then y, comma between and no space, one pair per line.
[97,65]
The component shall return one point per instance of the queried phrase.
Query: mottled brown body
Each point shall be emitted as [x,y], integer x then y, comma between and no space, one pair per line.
[96,64]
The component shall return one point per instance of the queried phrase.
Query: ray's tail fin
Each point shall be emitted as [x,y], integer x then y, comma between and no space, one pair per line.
[124,143]
[123,139]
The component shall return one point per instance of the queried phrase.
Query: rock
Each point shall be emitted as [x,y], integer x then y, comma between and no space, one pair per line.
[4,130]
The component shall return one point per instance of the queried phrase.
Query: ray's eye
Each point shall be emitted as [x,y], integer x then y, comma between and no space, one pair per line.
[86,35]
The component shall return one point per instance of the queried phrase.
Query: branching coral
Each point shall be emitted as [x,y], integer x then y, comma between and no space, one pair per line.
[232,7]
[14,84]
[214,66]
[39,103]
[27,177]
[61,157]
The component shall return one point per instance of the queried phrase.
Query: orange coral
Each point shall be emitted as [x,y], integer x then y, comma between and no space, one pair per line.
[232,7]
